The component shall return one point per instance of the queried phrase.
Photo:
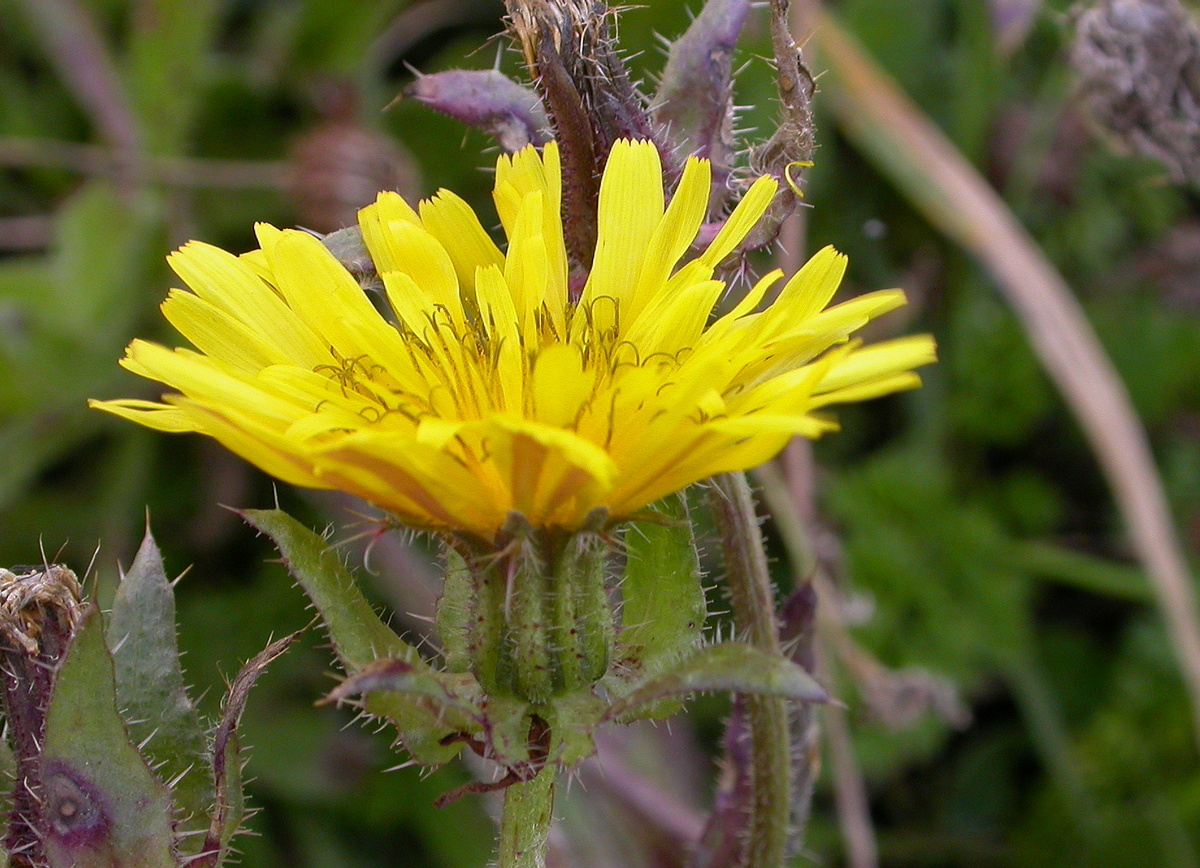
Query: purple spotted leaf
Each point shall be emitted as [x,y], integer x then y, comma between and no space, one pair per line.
[102,806]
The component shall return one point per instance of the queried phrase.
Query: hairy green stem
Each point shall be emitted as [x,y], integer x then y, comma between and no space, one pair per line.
[525,821]
[753,602]
[782,503]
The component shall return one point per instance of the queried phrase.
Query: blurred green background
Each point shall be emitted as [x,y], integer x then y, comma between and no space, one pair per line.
[972,537]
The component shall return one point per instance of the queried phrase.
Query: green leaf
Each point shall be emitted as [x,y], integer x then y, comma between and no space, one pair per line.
[1083,571]
[663,606]
[508,729]
[169,43]
[576,717]
[102,245]
[730,667]
[359,635]
[103,805]
[150,688]
[452,695]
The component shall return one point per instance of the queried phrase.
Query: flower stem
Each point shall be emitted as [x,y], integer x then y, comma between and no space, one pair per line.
[753,602]
[525,821]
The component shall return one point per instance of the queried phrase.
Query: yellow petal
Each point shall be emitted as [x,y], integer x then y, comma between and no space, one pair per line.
[331,302]
[561,385]
[744,218]
[881,360]
[230,284]
[673,236]
[161,417]
[547,471]
[452,222]
[378,222]
[215,333]
[630,209]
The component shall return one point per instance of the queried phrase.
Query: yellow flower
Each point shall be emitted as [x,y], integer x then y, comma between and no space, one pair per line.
[485,387]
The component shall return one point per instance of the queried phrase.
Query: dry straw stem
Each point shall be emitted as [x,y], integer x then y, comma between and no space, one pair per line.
[952,194]
[196,172]
[850,792]
[1138,63]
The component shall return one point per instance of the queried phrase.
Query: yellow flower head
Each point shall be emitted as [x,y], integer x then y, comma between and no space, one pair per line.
[484,388]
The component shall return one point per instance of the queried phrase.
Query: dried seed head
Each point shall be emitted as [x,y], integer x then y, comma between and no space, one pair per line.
[34,600]
[1138,63]
[40,607]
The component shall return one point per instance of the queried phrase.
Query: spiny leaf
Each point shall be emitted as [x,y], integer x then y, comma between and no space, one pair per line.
[508,729]
[359,635]
[454,693]
[103,806]
[454,613]
[150,687]
[663,606]
[576,717]
[727,667]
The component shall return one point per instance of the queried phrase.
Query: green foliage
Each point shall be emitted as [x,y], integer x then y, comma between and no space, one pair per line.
[663,608]
[358,634]
[662,601]
[728,667]
[940,567]
[436,710]
[970,513]
[150,689]
[360,637]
